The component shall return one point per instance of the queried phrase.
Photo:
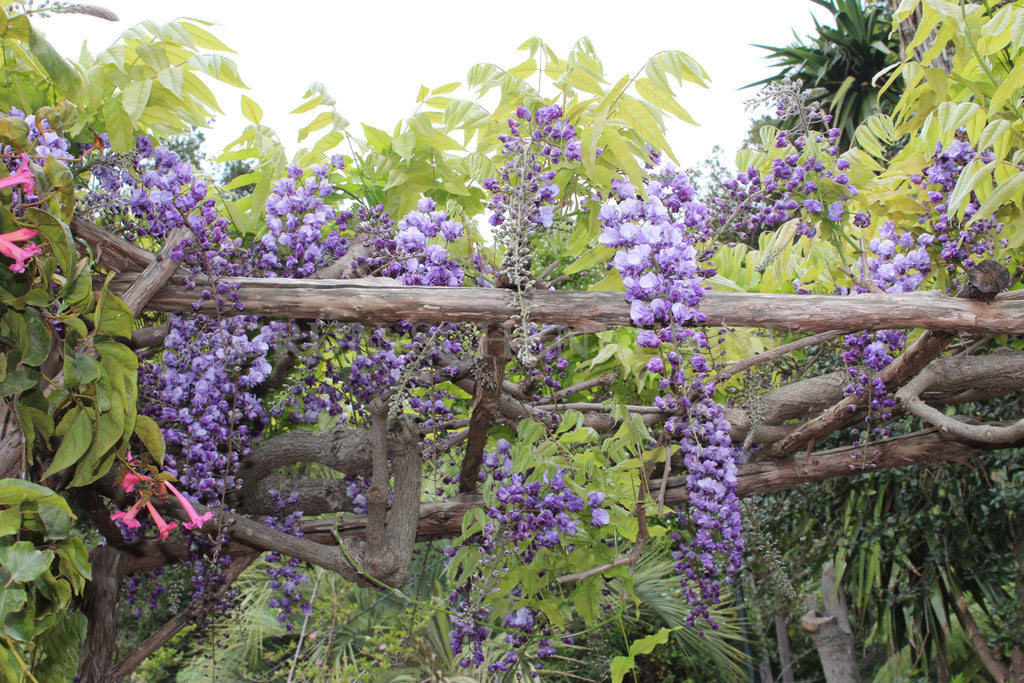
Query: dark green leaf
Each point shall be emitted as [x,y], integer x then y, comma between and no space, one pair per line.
[23,562]
[75,444]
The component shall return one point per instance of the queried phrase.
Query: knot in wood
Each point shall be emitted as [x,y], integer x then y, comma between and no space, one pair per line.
[987,279]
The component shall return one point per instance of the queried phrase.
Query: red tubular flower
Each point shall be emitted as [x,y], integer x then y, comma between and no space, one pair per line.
[128,518]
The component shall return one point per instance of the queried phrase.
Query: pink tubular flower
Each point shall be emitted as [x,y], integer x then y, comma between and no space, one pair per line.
[196,521]
[130,480]
[19,254]
[165,528]
[23,177]
[128,518]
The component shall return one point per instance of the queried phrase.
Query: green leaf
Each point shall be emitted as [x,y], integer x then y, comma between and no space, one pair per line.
[74,562]
[15,131]
[151,437]
[322,120]
[62,74]
[203,39]
[56,521]
[620,667]
[57,236]
[587,599]
[251,110]
[76,442]
[23,562]
[113,316]
[134,98]
[18,380]
[1010,190]
[1009,84]
[10,521]
[581,80]
[243,180]
[663,98]
[376,138]
[37,339]
[404,144]
[599,254]
[119,126]
[95,464]
[524,70]
[972,175]
[18,491]
[12,601]
[646,645]
[645,124]
[996,136]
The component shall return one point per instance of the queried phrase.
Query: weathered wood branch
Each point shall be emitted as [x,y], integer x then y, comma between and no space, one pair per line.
[112,252]
[368,301]
[486,399]
[343,449]
[155,275]
[910,398]
[444,519]
[99,604]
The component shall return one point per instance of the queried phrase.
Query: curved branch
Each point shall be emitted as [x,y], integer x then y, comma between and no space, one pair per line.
[910,398]
[344,449]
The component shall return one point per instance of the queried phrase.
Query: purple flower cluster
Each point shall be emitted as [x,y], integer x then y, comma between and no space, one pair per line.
[404,253]
[523,195]
[201,392]
[48,142]
[961,242]
[44,142]
[808,184]
[662,245]
[527,515]
[300,239]
[286,577]
[899,263]
[657,250]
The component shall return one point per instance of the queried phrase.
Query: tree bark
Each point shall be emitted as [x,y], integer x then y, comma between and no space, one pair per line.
[371,301]
[785,657]
[99,604]
[831,631]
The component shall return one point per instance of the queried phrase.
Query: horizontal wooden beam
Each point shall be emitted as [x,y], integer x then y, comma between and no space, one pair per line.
[379,301]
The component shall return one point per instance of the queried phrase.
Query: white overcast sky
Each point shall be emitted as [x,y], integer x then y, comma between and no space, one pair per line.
[373,55]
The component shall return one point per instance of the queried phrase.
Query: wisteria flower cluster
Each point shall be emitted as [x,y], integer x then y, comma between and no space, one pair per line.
[524,194]
[808,184]
[304,233]
[962,243]
[287,576]
[527,516]
[662,244]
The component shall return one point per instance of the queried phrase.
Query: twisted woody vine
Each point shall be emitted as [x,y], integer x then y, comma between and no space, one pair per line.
[511,339]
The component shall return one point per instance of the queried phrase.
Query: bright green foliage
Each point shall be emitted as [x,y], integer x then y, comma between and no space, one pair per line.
[840,64]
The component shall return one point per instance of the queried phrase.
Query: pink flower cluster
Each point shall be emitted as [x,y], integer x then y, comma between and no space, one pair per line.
[22,177]
[129,517]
